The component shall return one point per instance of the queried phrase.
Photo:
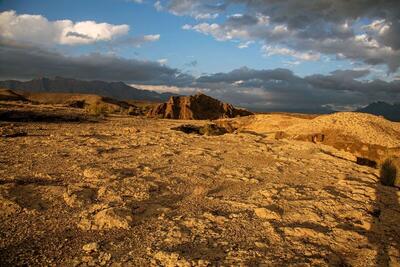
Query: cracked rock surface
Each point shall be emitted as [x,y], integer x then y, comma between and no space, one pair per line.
[129,191]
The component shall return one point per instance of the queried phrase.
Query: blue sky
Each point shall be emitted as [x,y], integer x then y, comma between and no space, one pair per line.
[178,46]
[340,54]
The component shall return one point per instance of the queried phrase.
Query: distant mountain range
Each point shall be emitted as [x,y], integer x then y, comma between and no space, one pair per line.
[390,112]
[116,90]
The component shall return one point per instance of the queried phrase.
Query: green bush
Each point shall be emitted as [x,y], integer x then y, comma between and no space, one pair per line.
[389,173]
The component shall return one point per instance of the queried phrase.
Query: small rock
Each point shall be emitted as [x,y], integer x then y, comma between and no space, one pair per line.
[113,218]
[104,258]
[92,173]
[89,260]
[90,247]
[76,196]
[266,214]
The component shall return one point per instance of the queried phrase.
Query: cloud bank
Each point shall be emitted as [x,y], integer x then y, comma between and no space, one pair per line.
[26,62]
[265,90]
[367,31]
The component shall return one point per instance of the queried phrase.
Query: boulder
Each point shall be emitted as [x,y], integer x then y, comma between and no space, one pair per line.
[196,107]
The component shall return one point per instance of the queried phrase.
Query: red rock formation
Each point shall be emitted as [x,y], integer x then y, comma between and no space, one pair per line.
[196,107]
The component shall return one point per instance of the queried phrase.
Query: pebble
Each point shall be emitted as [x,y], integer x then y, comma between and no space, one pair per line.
[90,247]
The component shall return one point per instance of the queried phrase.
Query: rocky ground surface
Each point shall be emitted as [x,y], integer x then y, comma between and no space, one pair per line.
[129,191]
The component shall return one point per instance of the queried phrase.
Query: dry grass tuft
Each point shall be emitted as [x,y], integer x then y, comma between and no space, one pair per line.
[390,172]
[97,109]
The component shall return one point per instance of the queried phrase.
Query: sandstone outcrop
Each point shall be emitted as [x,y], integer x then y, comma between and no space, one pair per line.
[196,107]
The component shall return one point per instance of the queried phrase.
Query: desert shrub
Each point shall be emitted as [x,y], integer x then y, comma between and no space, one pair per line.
[389,173]
[97,109]
[132,111]
[212,129]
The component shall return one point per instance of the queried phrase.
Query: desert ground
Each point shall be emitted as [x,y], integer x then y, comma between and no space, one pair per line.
[130,191]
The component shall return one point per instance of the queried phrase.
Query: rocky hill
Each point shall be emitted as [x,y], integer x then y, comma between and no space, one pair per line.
[390,112]
[10,104]
[9,95]
[117,90]
[75,100]
[368,138]
[196,107]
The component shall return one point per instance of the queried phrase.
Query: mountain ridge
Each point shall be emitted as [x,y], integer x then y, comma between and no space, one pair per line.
[381,108]
[116,90]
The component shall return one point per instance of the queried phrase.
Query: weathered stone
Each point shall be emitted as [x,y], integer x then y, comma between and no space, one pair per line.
[196,107]
[90,247]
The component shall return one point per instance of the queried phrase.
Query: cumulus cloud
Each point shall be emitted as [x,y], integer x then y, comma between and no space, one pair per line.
[39,30]
[365,31]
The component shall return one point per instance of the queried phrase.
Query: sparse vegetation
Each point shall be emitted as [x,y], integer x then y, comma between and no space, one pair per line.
[389,173]
[127,175]
[97,109]
[132,111]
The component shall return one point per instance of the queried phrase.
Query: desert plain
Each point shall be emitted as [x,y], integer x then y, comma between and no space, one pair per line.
[126,190]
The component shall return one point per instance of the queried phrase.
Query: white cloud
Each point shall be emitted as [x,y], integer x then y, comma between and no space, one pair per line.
[379,26]
[151,37]
[306,56]
[158,6]
[280,29]
[197,9]
[237,83]
[205,16]
[163,61]
[217,31]
[39,30]
[212,29]
[169,89]
[292,63]
[245,44]
[366,41]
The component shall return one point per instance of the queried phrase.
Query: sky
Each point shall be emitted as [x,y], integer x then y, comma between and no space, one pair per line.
[303,55]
